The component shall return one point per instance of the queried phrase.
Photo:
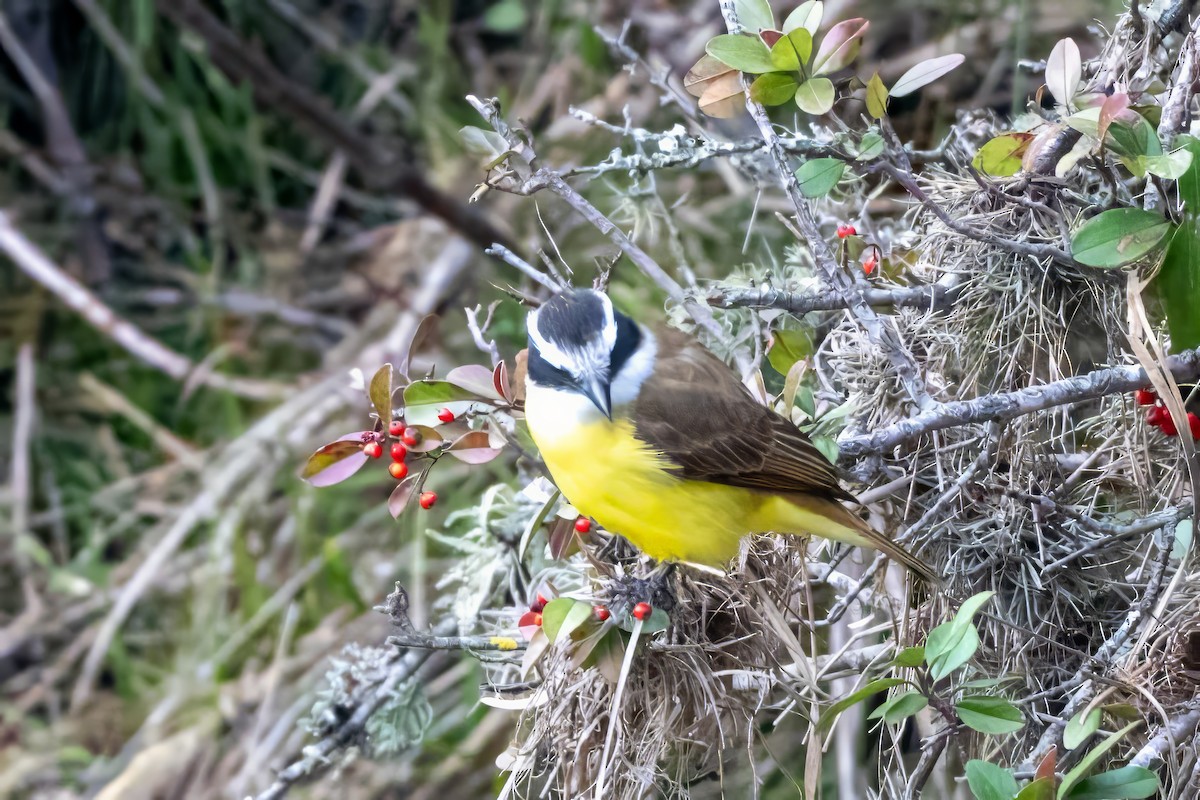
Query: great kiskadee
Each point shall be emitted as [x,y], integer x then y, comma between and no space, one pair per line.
[653,436]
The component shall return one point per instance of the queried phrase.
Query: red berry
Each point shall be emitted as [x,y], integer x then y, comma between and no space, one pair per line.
[396,427]
[373,449]
[398,451]
[601,612]
[583,525]
[398,470]
[1156,415]
[537,619]
[1168,426]
[869,265]
[427,499]
[642,611]
[1194,425]
[1144,397]
[846,230]
[411,437]
[446,415]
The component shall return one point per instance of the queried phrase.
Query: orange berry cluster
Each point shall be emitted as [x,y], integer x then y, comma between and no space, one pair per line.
[1159,416]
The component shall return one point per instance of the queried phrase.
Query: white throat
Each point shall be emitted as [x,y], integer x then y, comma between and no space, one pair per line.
[554,413]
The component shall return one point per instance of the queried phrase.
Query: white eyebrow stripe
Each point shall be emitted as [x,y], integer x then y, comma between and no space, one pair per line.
[551,352]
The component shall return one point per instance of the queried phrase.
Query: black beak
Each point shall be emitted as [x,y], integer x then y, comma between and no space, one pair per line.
[597,390]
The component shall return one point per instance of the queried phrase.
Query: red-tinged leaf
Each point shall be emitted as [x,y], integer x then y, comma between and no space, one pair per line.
[1112,106]
[770,37]
[500,381]
[563,539]
[475,378]
[1049,764]
[336,461]
[380,392]
[724,97]
[705,71]
[404,491]
[1001,156]
[925,73]
[473,448]
[530,624]
[426,329]
[840,45]
[431,439]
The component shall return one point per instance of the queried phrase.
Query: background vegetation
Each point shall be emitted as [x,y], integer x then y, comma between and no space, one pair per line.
[211,213]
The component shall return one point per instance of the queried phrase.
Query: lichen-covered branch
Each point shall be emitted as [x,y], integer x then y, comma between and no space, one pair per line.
[1008,405]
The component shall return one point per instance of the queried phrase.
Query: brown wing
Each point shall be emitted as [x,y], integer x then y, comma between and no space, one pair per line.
[696,412]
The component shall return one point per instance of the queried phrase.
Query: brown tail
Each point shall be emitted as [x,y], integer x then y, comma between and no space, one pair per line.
[873,538]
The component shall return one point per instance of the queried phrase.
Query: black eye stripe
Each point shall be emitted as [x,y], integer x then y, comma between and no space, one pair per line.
[628,339]
[543,373]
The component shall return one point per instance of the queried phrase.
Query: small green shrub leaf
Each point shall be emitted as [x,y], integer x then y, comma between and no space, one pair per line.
[1118,236]
[815,96]
[791,52]
[1064,70]
[910,657]
[818,176]
[1040,789]
[754,15]
[1081,727]
[1093,757]
[1127,783]
[871,689]
[900,707]
[993,715]
[990,782]
[773,88]
[745,53]
[807,16]
[1001,156]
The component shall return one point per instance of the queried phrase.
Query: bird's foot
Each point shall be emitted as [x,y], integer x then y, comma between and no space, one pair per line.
[657,589]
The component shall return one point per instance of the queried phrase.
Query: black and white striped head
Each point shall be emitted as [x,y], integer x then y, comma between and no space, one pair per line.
[579,343]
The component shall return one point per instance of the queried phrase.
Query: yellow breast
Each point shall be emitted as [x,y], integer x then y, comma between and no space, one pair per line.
[610,475]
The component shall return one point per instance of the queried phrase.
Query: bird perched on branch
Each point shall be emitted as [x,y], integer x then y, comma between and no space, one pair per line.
[656,438]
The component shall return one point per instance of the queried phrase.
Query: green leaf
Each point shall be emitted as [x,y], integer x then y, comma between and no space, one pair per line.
[745,53]
[1130,135]
[754,15]
[951,644]
[1041,789]
[955,655]
[807,16]
[871,689]
[506,16]
[818,176]
[840,46]
[815,96]
[563,615]
[870,147]
[773,88]
[1081,727]
[791,52]
[990,782]
[1178,282]
[1001,156]
[1118,236]
[993,715]
[1091,759]
[909,657]
[789,347]
[1171,166]
[424,399]
[926,73]
[900,707]
[877,97]
[1130,782]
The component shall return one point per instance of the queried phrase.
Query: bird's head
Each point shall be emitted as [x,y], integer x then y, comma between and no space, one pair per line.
[579,343]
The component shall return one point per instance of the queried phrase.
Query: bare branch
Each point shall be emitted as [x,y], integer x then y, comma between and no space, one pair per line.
[1008,405]
[928,296]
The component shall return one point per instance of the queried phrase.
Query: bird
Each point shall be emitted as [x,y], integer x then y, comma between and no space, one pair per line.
[653,436]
